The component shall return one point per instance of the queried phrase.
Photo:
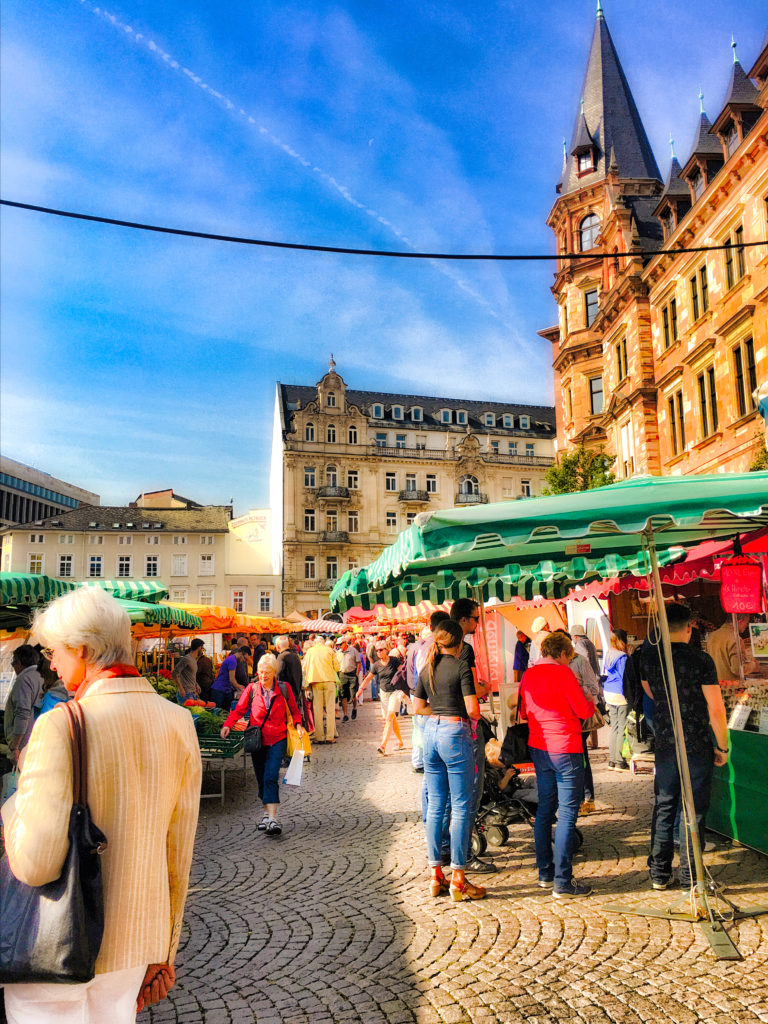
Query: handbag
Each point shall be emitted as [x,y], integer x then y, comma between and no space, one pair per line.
[514,749]
[53,932]
[253,740]
[595,721]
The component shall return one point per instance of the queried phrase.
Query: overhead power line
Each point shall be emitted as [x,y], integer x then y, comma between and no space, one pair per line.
[348,251]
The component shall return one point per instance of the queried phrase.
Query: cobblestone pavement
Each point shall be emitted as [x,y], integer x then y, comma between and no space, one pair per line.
[332,922]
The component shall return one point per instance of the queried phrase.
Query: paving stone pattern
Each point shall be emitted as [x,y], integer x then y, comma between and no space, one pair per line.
[332,922]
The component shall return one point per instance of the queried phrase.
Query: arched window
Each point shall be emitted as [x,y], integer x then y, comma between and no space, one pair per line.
[469,484]
[331,476]
[330,434]
[589,229]
[352,436]
[309,432]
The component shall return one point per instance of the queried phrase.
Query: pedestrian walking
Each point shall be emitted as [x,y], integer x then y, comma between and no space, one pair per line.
[26,692]
[616,702]
[349,677]
[552,701]
[267,705]
[320,666]
[143,784]
[445,693]
[391,691]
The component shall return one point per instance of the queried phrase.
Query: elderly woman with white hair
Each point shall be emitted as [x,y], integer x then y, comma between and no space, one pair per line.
[143,790]
[268,705]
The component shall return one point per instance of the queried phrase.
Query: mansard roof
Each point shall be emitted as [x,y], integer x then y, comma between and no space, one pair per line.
[610,117]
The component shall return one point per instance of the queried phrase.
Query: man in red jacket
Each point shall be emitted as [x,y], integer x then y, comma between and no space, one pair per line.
[554,704]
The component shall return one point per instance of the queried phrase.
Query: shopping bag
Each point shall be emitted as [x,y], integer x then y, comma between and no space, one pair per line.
[295,768]
[10,782]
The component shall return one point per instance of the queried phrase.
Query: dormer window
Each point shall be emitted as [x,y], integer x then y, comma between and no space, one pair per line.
[417,414]
[330,400]
[461,417]
[731,136]
[509,421]
[589,229]
[525,422]
[586,162]
[377,411]
[698,185]
[445,416]
[397,412]
[489,419]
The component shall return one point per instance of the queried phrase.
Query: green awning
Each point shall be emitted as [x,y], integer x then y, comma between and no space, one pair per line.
[22,588]
[160,615]
[544,545]
[132,590]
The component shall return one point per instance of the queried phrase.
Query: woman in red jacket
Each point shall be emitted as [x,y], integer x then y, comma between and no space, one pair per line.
[554,704]
[268,708]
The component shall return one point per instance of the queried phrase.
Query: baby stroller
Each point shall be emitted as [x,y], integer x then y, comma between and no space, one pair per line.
[508,798]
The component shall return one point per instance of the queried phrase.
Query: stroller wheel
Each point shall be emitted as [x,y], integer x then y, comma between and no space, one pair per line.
[497,835]
[478,844]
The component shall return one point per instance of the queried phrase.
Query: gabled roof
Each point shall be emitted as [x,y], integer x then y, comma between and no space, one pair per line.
[204,519]
[610,116]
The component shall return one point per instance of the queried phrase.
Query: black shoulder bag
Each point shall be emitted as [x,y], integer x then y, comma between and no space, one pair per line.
[514,749]
[53,932]
[253,740]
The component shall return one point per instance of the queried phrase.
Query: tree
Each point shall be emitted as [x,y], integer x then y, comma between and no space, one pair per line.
[579,470]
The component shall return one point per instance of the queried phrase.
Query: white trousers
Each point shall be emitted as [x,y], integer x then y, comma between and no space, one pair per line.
[109,999]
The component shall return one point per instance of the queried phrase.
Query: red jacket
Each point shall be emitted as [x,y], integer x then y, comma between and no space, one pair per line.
[554,704]
[276,727]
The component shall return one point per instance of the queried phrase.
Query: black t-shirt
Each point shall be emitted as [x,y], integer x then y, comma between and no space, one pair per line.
[241,672]
[385,672]
[289,670]
[467,653]
[452,682]
[693,670]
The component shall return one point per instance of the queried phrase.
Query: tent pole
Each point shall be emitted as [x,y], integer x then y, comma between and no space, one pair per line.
[479,599]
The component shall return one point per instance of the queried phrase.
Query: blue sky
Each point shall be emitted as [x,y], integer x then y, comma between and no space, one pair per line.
[133,361]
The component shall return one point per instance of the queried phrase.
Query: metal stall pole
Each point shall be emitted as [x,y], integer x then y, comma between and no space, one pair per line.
[479,599]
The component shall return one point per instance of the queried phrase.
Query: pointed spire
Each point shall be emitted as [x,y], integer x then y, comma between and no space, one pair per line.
[600,9]
[701,101]
[674,185]
[608,117]
[705,143]
[741,90]
[613,167]
[672,146]
[733,46]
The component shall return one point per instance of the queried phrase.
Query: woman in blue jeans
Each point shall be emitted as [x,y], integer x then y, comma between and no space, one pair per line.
[554,704]
[445,693]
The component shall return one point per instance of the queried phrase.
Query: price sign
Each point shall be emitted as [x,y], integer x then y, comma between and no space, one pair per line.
[740,586]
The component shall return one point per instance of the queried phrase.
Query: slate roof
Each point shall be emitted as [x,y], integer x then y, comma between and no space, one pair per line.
[741,91]
[542,416]
[649,227]
[675,185]
[706,144]
[205,519]
[611,118]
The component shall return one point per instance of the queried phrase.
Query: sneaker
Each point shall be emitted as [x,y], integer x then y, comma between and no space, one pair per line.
[546,883]
[611,766]
[483,867]
[263,823]
[573,888]
[664,883]
[622,766]
[273,828]
[382,751]
[417,771]
[354,714]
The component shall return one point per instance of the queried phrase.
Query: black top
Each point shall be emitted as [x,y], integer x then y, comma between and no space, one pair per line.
[452,682]
[467,653]
[693,671]
[241,672]
[289,670]
[385,671]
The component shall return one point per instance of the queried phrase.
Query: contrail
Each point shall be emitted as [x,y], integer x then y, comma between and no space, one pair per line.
[141,39]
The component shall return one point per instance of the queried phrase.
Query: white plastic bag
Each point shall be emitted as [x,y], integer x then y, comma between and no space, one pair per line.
[295,768]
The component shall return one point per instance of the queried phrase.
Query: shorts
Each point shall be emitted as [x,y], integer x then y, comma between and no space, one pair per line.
[349,685]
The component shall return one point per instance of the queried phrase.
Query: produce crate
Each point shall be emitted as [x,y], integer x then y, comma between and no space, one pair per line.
[214,748]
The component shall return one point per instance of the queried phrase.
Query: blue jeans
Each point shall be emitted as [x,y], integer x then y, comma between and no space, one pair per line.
[666,793]
[560,781]
[222,699]
[266,764]
[449,773]
[186,697]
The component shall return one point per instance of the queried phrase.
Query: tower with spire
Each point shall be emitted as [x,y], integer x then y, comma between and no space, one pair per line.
[609,187]
[662,334]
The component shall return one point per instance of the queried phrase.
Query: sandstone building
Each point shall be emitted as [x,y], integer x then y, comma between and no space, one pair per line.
[656,356]
[350,469]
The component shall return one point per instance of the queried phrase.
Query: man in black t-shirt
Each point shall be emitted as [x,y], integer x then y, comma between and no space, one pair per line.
[466,612]
[706,742]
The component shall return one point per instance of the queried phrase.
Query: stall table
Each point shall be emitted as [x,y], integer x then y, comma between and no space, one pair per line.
[215,749]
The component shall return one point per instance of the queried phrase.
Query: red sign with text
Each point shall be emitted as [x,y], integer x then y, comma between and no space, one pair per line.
[741,586]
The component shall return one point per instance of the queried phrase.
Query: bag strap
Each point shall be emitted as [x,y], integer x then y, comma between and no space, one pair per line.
[76,723]
[253,695]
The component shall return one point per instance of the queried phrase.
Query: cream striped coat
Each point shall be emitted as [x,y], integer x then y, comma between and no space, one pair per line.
[144,774]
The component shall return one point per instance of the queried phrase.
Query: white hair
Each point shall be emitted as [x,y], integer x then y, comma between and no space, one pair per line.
[88,617]
[267,661]
[282,642]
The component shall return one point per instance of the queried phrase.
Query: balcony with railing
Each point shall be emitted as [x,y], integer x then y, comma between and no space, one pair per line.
[411,495]
[471,499]
[430,454]
[324,585]
[333,492]
[334,537]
